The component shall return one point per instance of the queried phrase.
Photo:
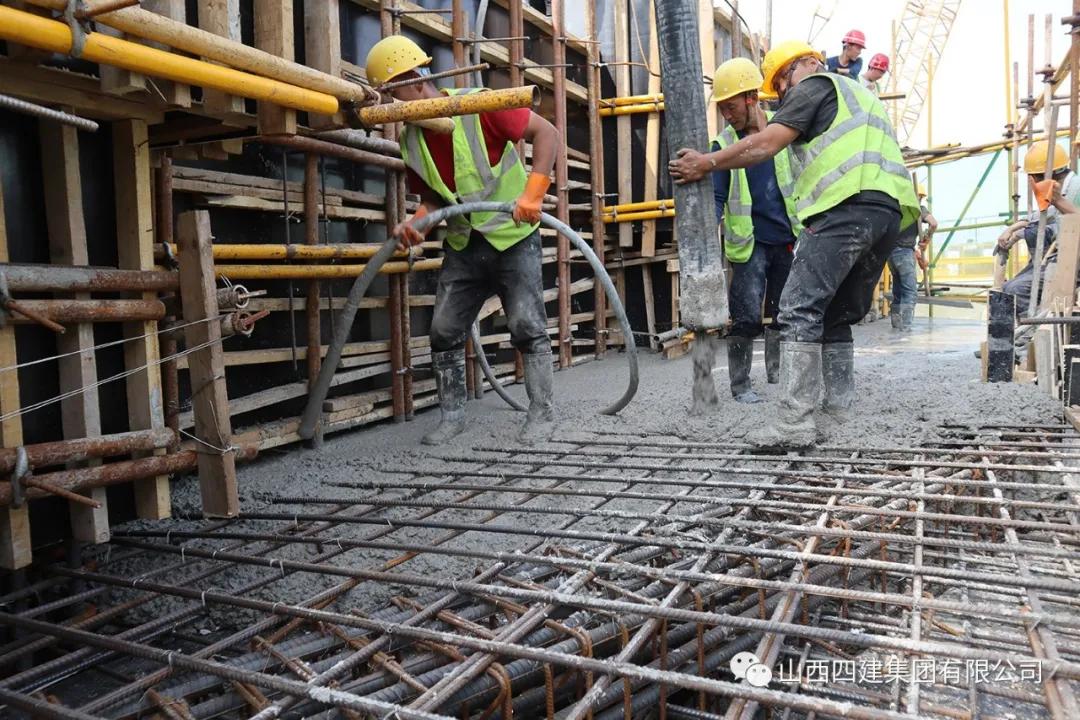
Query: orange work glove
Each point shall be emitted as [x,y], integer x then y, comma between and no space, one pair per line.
[408,235]
[1044,193]
[527,207]
[920,259]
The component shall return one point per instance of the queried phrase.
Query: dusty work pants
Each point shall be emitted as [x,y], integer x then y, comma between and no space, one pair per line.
[838,259]
[470,276]
[760,279]
[905,281]
[1020,288]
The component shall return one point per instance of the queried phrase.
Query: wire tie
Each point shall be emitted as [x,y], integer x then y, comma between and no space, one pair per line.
[213,555]
[202,595]
[183,558]
[168,536]
[168,658]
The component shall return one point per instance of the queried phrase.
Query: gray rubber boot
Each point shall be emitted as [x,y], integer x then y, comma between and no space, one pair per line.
[800,386]
[894,317]
[449,368]
[907,316]
[772,356]
[540,419]
[838,373]
[740,356]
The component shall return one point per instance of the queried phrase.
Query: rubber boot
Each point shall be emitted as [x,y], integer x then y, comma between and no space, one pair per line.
[449,367]
[838,372]
[740,356]
[894,317]
[540,419]
[800,386]
[772,355]
[907,316]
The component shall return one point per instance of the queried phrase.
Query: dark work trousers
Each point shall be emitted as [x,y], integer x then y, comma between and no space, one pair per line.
[838,261]
[470,276]
[760,279]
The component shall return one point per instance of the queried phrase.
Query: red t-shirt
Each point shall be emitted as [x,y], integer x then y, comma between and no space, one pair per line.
[499,127]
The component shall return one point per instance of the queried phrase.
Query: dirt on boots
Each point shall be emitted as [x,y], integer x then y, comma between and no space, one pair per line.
[740,353]
[800,387]
[540,420]
[449,368]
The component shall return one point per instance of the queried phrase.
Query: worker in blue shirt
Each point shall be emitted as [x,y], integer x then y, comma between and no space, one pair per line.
[848,63]
[757,210]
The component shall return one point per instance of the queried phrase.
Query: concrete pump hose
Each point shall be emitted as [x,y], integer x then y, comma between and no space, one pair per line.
[313,410]
[474,333]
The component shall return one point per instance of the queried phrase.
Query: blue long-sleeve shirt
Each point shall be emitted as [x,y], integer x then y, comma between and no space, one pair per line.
[768,212]
[854,69]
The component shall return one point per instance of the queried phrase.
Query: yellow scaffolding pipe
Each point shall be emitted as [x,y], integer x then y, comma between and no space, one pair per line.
[635,207]
[646,215]
[45,34]
[317,272]
[631,109]
[487,101]
[631,100]
[259,251]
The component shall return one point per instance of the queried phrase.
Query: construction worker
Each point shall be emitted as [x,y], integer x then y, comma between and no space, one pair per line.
[853,195]
[902,266]
[848,63]
[1061,196]
[757,211]
[875,70]
[485,253]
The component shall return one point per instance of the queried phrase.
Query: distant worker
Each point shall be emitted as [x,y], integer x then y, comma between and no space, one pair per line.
[909,253]
[848,63]
[875,70]
[1059,197]
[485,253]
[853,196]
[757,210]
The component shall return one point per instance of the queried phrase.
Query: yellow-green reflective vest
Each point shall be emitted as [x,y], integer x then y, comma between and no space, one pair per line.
[738,223]
[475,180]
[858,152]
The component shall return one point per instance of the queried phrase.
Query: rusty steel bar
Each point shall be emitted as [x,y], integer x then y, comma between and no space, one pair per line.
[61,452]
[397,380]
[596,174]
[61,278]
[321,272]
[163,236]
[28,108]
[454,72]
[71,311]
[562,179]
[32,482]
[488,101]
[330,149]
[30,314]
[119,472]
[270,251]
[361,141]
[311,240]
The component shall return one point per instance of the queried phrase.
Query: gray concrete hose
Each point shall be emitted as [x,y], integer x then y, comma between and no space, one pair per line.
[313,410]
[485,366]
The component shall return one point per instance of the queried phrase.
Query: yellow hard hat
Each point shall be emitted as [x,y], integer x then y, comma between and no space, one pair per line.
[778,58]
[393,56]
[735,76]
[1035,160]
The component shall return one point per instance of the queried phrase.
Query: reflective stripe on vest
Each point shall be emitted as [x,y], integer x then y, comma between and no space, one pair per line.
[858,152]
[475,180]
[738,222]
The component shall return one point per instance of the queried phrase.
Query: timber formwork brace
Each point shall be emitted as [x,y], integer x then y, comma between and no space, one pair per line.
[628,572]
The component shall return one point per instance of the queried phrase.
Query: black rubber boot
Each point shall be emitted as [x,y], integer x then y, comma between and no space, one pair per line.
[838,372]
[772,356]
[449,367]
[540,419]
[907,316]
[800,386]
[740,356]
[894,317]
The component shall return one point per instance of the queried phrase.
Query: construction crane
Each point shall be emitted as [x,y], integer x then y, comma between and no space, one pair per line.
[920,37]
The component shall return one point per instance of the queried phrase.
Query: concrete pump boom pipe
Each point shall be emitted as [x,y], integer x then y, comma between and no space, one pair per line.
[45,34]
[317,395]
[485,366]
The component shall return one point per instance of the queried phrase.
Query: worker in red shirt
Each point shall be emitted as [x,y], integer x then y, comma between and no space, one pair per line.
[485,253]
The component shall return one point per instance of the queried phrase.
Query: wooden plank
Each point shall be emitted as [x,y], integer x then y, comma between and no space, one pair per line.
[209,188]
[81,92]
[135,245]
[650,303]
[274,34]
[334,196]
[221,17]
[708,58]
[117,81]
[238,202]
[177,94]
[16,550]
[322,45]
[623,152]
[652,140]
[209,399]
[80,414]
[1043,345]
[1061,289]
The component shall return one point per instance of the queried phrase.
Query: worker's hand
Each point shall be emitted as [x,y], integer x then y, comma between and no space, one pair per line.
[920,258]
[527,207]
[689,166]
[407,234]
